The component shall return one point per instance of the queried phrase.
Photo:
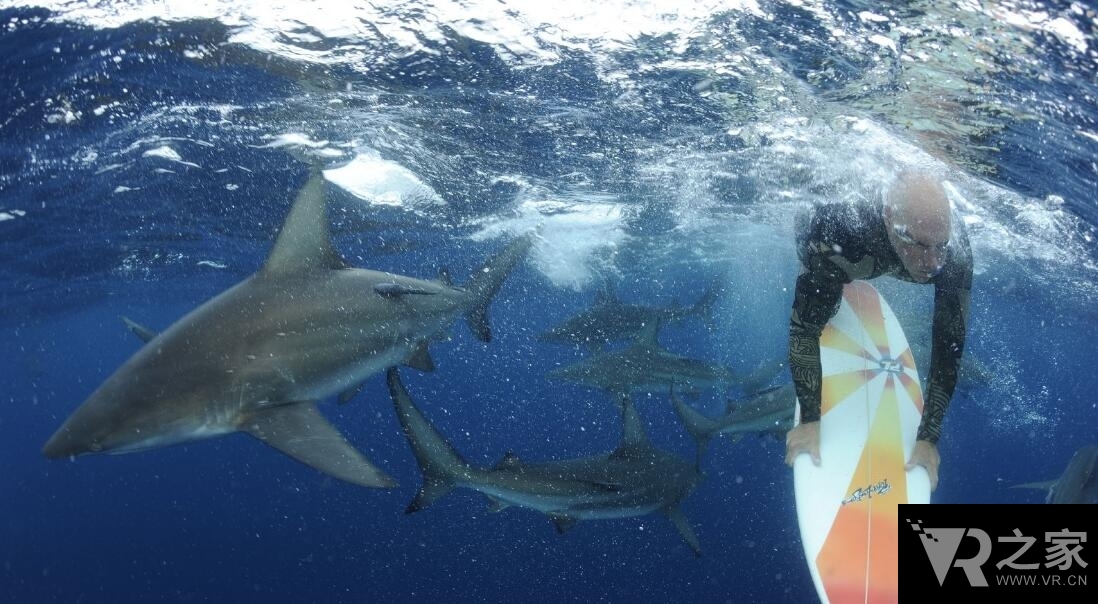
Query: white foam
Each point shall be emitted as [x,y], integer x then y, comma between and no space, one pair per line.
[576,238]
[169,154]
[884,42]
[383,182]
[530,32]
[11,215]
[872,17]
[295,139]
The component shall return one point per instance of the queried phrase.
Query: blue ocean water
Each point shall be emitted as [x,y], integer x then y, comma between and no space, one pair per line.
[148,155]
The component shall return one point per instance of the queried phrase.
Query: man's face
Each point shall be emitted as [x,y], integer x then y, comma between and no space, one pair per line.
[920,240]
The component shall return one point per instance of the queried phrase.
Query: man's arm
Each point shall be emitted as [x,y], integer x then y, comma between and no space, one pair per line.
[951,299]
[816,299]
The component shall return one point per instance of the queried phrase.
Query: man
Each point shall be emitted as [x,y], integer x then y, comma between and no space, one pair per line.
[910,235]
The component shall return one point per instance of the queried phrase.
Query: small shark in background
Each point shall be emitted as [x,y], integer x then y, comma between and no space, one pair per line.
[1078,483]
[257,357]
[645,366]
[611,319]
[634,480]
[973,373]
[767,412]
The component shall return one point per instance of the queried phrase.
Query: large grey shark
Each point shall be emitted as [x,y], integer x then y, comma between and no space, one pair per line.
[645,366]
[634,480]
[769,411]
[1078,483]
[257,357]
[611,319]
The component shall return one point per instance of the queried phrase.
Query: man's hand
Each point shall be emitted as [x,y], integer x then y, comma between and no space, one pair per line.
[805,438]
[925,454]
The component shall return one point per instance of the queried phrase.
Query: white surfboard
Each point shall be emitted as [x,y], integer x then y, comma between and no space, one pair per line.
[872,405]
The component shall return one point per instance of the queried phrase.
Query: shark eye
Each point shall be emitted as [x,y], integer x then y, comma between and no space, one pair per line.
[96,446]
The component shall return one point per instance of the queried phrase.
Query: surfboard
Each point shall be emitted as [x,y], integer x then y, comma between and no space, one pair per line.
[872,403]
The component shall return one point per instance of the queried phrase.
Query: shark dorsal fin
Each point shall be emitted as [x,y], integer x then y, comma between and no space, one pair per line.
[633,435]
[605,296]
[445,278]
[509,461]
[730,406]
[562,522]
[304,243]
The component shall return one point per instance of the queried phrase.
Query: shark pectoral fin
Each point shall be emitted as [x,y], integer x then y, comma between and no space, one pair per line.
[140,331]
[478,323]
[348,394]
[562,522]
[496,506]
[679,520]
[432,489]
[300,431]
[421,358]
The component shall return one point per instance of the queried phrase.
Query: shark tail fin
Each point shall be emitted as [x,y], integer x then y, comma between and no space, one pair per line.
[487,281]
[699,426]
[704,307]
[440,463]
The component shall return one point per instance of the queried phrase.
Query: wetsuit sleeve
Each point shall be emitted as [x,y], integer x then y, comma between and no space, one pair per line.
[816,299]
[951,297]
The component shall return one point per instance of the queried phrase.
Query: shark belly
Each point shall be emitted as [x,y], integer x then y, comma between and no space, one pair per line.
[544,500]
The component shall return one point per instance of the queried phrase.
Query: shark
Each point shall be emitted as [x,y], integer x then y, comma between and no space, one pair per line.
[769,411]
[611,319]
[257,357]
[635,479]
[1077,484]
[645,366]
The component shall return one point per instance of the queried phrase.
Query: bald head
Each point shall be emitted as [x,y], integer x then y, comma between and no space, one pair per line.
[916,211]
[918,201]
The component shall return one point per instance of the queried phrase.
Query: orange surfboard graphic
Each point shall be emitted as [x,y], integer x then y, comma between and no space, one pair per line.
[870,376]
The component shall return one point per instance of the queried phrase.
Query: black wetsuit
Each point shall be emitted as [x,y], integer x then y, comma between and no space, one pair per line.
[841,242]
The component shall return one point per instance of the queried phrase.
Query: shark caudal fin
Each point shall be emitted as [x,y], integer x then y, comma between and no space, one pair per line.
[438,460]
[703,308]
[487,280]
[702,428]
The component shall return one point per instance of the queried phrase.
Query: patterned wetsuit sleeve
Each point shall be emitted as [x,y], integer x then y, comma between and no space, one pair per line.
[951,298]
[816,299]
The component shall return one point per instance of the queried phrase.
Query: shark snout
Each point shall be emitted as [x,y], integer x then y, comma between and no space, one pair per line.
[66,443]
